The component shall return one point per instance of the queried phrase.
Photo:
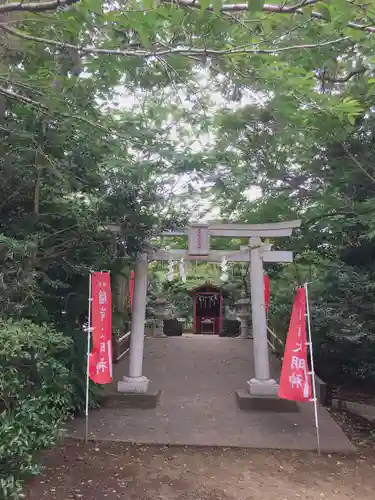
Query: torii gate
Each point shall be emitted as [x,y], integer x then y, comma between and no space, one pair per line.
[199,250]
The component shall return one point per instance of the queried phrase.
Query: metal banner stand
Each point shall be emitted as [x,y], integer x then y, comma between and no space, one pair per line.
[88,362]
[315,400]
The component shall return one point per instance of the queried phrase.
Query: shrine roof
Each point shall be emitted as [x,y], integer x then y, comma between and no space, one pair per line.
[207,285]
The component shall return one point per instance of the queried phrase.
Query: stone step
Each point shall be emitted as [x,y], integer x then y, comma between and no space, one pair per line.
[360,409]
[120,400]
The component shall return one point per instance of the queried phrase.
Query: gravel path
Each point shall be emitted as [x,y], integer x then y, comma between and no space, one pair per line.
[198,377]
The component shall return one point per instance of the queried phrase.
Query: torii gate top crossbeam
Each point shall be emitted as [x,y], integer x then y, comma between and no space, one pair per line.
[199,241]
[274,229]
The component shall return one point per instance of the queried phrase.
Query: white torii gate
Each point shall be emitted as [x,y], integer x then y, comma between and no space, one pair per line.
[199,250]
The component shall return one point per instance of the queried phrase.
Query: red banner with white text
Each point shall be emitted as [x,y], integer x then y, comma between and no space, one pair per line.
[267,292]
[295,381]
[100,361]
[131,289]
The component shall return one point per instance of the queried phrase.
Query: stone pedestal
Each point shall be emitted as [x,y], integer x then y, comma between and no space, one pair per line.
[141,400]
[242,311]
[268,388]
[133,392]
[133,385]
[160,313]
[247,401]
[261,395]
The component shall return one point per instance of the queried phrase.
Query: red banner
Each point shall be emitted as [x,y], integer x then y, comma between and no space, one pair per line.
[295,381]
[267,292]
[131,289]
[100,361]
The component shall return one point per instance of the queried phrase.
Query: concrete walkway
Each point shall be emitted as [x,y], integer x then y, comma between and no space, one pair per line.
[198,376]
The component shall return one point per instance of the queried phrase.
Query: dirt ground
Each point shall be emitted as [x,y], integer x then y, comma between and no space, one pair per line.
[110,471]
[99,471]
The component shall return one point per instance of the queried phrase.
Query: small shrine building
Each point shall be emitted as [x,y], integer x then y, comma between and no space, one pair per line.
[208,307]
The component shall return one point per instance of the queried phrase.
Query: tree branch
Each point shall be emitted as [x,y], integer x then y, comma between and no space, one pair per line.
[342,213]
[358,163]
[35,6]
[25,100]
[189,51]
[321,75]
[236,7]
[42,107]
[318,218]
[272,8]
[110,132]
[243,7]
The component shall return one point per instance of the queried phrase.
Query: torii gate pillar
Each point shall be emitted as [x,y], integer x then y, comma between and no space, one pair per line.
[136,382]
[262,384]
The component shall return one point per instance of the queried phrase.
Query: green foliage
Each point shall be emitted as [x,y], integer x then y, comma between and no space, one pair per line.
[347,362]
[324,176]
[71,166]
[179,293]
[110,114]
[63,62]
[36,395]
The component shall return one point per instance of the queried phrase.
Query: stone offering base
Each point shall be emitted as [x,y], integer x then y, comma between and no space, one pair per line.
[247,401]
[145,400]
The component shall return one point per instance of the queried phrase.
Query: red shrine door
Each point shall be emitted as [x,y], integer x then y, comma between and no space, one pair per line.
[207,310]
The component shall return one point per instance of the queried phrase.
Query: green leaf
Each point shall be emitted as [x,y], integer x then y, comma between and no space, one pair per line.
[255,5]
[217,5]
[323,9]
[150,4]
[204,4]
[144,36]
[340,13]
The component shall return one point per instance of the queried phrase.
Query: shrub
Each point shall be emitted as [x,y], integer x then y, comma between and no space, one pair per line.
[36,395]
[342,318]
[347,361]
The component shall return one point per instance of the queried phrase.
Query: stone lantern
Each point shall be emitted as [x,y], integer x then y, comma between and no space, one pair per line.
[160,312]
[242,311]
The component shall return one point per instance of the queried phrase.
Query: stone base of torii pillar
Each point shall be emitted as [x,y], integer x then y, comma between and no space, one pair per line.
[250,402]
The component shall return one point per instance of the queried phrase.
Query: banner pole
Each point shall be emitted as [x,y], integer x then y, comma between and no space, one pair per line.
[88,361]
[312,368]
